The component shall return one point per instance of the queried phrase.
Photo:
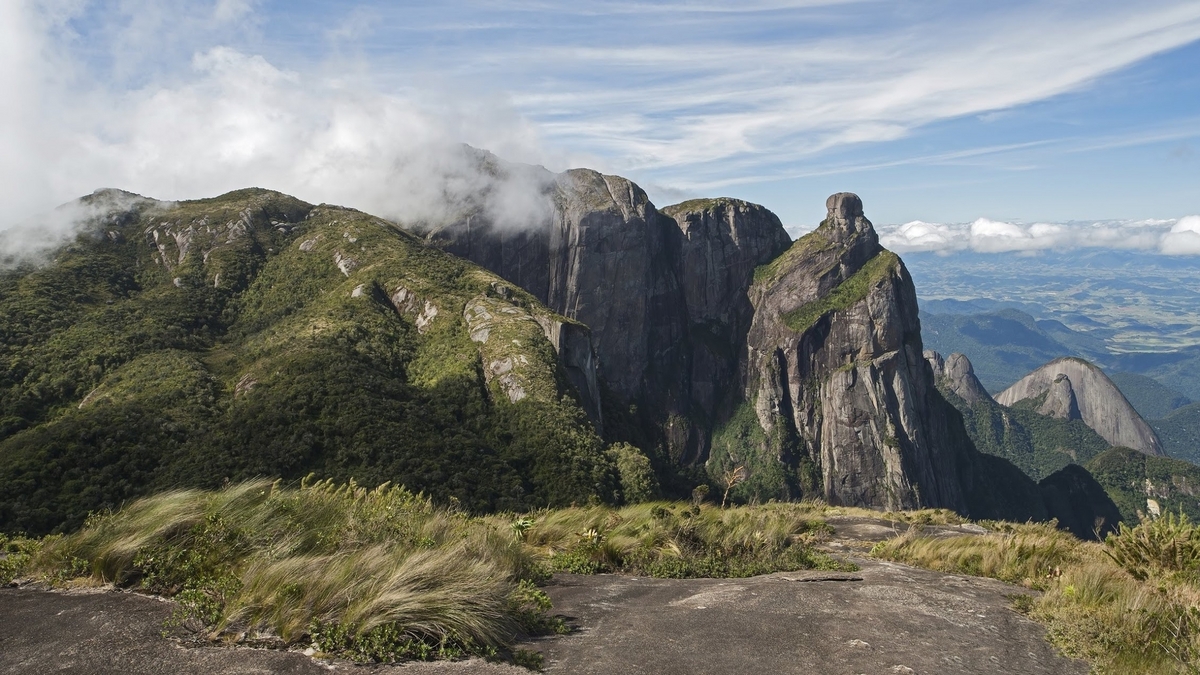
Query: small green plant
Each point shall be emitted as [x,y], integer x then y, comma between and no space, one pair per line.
[15,555]
[1165,545]
[520,526]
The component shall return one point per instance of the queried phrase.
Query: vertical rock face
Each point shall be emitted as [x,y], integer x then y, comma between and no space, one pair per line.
[836,373]
[722,241]
[959,375]
[1075,387]
[1060,400]
[664,293]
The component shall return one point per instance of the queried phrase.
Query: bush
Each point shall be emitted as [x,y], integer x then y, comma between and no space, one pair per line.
[1163,546]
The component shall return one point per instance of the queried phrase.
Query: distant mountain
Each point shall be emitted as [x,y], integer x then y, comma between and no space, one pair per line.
[1179,370]
[1003,345]
[1073,389]
[1038,444]
[1152,399]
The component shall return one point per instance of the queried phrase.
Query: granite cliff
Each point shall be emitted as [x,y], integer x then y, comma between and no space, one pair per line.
[956,373]
[835,374]
[724,346]
[1071,388]
[663,292]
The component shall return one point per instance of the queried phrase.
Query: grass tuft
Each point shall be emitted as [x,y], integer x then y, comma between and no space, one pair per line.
[682,540]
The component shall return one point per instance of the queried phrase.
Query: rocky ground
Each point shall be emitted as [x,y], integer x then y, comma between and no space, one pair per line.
[886,618]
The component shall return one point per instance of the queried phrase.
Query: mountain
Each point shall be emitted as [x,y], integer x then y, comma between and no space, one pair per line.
[664,293]
[1179,369]
[957,373]
[1071,388]
[194,343]
[684,303]
[1004,344]
[1038,444]
[1141,484]
[191,343]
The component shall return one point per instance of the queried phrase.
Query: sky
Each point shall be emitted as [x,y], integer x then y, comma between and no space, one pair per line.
[963,125]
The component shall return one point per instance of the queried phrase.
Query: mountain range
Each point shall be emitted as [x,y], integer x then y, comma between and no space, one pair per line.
[578,357]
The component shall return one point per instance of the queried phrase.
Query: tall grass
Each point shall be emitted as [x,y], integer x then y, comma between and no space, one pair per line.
[383,574]
[1129,605]
[681,540]
[338,565]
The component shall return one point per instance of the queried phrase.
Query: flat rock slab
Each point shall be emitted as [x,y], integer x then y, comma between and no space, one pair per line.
[884,619]
[892,619]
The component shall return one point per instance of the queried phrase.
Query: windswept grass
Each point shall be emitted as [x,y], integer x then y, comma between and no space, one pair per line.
[681,540]
[1129,605]
[374,574]
[383,574]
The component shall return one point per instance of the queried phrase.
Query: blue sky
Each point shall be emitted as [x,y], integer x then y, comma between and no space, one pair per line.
[944,112]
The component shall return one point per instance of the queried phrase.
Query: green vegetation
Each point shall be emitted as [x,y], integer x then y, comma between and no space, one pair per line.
[1129,605]
[809,245]
[375,575]
[1131,478]
[1151,399]
[1180,433]
[254,335]
[706,204]
[680,541]
[774,468]
[385,575]
[1037,444]
[846,294]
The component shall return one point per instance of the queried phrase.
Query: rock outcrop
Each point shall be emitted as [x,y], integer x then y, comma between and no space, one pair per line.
[957,373]
[1076,389]
[664,294]
[835,371]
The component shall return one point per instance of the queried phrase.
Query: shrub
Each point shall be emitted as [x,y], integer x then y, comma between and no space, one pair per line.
[1166,545]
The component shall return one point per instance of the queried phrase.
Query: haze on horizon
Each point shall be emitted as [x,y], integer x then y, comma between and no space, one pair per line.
[1033,126]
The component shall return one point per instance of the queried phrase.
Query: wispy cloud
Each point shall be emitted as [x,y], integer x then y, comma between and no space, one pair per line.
[686,106]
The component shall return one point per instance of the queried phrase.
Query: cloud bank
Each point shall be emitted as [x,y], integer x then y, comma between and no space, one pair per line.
[230,120]
[1168,237]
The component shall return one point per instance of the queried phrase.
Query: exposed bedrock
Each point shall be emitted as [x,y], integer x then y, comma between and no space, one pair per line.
[664,293]
[1076,389]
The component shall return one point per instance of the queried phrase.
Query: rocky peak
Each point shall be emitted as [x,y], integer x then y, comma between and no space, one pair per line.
[836,373]
[845,220]
[959,375]
[1096,401]
[1060,400]
[663,292]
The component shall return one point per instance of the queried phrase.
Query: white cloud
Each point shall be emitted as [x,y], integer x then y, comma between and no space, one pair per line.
[1171,237]
[235,120]
[1183,239]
